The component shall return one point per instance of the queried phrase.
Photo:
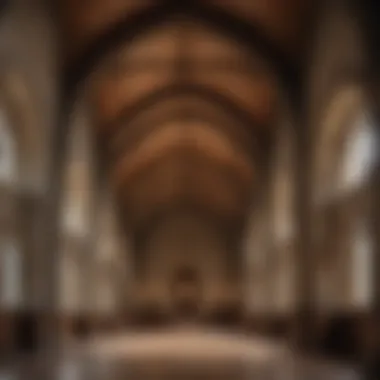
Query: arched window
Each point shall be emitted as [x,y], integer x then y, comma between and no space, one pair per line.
[359,155]
[358,160]
[349,153]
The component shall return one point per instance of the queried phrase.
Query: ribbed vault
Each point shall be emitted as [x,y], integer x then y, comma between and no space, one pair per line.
[184,98]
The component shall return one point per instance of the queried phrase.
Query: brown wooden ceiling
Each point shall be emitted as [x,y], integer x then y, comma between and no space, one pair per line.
[182,101]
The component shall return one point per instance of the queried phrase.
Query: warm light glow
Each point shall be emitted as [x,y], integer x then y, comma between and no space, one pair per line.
[360,154]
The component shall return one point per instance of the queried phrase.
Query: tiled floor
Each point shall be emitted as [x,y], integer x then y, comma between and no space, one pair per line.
[182,355]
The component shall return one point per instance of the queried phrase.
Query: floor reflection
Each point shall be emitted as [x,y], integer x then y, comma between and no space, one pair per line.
[182,355]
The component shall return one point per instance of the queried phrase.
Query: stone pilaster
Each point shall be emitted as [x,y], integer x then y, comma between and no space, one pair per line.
[8,227]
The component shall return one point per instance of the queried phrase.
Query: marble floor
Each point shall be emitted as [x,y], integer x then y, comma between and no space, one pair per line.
[177,354]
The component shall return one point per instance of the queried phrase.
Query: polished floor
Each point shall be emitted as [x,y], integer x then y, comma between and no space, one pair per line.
[182,354]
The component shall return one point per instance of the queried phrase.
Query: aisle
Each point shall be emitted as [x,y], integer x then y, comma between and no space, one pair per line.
[186,344]
[208,354]
[181,354]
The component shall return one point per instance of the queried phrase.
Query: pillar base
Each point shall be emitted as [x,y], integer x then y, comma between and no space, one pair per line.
[20,333]
[348,336]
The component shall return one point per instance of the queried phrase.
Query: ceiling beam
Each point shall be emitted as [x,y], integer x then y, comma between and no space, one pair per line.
[228,106]
[250,35]
[128,28]
[208,64]
[128,138]
[189,156]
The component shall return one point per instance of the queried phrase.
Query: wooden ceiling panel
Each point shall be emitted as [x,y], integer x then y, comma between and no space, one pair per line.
[160,45]
[219,147]
[83,21]
[194,132]
[132,169]
[163,156]
[203,185]
[215,190]
[282,20]
[256,95]
[164,179]
[197,137]
[181,108]
[184,39]
[148,152]
[203,45]
[110,96]
[152,60]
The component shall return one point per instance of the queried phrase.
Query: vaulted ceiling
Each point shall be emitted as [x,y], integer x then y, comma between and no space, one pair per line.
[184,95]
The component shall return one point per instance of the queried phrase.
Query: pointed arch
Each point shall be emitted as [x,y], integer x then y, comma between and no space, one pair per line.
[343,140]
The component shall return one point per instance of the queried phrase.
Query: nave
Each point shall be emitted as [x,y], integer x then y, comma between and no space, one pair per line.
[208,163]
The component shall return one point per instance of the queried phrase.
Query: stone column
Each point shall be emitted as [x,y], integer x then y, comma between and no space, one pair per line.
[282,223]
[29,208]
[8,305]
[89,281]
[349,220]
[51,331]
[304,321]
[72,263]
[299,133]
[327,253]
[107,263]
[372,349]
[368,18]
[124,270]
[89,260]
[126,294]
[258,249]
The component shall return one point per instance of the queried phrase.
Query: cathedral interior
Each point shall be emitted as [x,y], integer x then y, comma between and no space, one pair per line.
[189,189]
